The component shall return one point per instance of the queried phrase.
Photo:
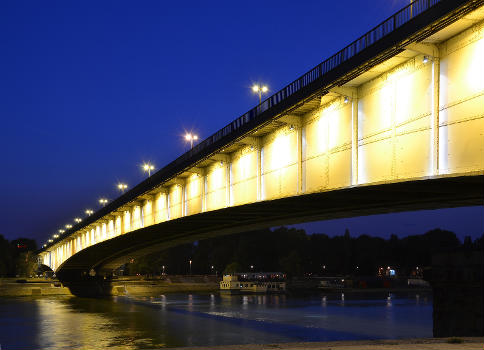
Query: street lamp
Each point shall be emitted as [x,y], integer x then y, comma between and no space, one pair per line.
[89,212]
[191,137]
[103,201]
[78,220]
[163,267]
[259,89]
[147,167]
[190,267]
[122,187]
[61,231]
[68,226]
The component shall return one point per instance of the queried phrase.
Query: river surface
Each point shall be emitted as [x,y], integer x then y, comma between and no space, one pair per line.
[209,319]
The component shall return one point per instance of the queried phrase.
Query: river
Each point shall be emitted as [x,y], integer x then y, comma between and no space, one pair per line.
[209,319]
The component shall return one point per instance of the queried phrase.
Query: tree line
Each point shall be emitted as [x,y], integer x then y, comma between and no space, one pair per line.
[17,257]
[296,253]
[287,250]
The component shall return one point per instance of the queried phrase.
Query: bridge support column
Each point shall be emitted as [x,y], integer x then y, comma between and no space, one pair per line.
[86,284]
[457,287]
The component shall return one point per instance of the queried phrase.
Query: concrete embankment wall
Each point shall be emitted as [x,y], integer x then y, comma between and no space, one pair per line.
[15,287]
[9,287]
[171,284]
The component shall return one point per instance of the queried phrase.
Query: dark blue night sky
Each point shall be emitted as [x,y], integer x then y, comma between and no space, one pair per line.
[89,90]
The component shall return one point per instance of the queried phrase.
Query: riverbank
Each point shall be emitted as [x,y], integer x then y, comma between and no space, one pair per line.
[17,287]
[399,344]
[140,286]
[170,284]
[135,286]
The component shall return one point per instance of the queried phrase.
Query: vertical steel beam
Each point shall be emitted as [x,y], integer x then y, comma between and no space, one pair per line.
[299,132]
[435,115]
[354,141]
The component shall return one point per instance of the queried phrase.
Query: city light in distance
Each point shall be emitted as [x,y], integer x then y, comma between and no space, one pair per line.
[78,220]
[122,187]
[68,226]
[89,211]
[103,201]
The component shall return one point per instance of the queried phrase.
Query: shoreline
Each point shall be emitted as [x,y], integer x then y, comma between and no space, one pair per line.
[454,343]
[9,287]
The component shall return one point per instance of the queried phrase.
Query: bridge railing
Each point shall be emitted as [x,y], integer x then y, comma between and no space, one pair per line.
[403,16]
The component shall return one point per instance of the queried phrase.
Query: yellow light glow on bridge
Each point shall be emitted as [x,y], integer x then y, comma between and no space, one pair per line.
[475,67]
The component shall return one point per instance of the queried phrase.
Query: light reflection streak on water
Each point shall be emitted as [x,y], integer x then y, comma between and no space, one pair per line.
[213,319]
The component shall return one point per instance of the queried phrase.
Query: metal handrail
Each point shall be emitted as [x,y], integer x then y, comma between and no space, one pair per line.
[386,27]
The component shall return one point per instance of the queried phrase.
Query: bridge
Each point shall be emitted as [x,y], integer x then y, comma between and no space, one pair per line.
[392,122]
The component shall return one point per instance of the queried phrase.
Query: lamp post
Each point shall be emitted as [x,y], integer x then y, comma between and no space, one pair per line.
[122,187]
[103,201]
[189,137]
[190,267]
[89,212]
[260,89]
[77,220]
[147,167]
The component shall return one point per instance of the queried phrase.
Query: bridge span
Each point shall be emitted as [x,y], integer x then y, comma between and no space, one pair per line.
[394,121]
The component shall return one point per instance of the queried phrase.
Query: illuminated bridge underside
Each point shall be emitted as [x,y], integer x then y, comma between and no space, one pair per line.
[355,201]
[404,134]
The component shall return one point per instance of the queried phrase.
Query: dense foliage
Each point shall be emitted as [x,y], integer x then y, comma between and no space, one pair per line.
[296,253]
[17,258]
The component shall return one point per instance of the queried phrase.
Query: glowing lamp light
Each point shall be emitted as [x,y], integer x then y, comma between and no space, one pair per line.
[78,220]
[50,241]
[61,231]
[103,201]
[189,137]
[260,89]
[148,167]
[68,226]
[89,211]
[122,187]
[56,236]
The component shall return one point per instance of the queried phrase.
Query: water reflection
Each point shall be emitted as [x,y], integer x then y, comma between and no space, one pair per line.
[209,319]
